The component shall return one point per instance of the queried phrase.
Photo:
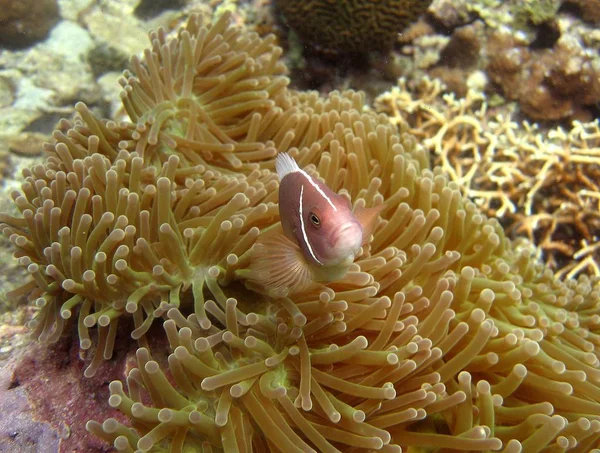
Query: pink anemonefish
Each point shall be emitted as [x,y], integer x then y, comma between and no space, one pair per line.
[321,234]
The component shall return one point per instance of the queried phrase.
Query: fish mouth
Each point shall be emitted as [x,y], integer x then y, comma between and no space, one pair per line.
[347,240]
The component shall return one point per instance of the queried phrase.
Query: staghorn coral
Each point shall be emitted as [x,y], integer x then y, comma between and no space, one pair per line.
[542,186]
[355,27]
[443,335]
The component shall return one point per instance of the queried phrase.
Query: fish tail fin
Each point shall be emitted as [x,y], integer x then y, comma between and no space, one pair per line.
[368,218]
[278,266]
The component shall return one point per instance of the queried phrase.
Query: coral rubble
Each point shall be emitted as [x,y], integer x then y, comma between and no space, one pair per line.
[550,84]
[589,9]
[443,333]
[543,54]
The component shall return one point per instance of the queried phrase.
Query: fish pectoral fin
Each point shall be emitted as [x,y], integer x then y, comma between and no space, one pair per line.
[326,274]
[368,218]
[278,265]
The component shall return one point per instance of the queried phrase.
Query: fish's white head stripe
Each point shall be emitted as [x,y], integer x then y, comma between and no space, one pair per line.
[318,189]
[304,235]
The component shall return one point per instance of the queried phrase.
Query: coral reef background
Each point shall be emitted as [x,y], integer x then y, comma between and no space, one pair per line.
[446,334]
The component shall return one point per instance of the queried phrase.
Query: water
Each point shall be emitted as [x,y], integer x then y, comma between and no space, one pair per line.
[500,97]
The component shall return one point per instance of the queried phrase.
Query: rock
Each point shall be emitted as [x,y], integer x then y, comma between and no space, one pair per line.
[50,376]
[53,72]
[462,51]
[7,92]
[589,10]
[26,22]
[549,84]
[72,9]
[69,41]
[31,97]
[124,33]
[108,84]
[449,13]
[147,9]
[105,58]
[19,431]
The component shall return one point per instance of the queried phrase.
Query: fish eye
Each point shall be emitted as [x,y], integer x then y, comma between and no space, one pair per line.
[314,218]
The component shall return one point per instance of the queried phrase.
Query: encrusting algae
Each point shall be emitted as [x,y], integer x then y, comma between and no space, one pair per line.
[442,335]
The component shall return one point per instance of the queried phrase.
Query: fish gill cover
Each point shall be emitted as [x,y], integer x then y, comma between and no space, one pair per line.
[443,334]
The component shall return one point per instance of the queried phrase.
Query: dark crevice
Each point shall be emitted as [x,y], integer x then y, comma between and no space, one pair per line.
[570,8]
[547,35]
[148,9]
[14,384]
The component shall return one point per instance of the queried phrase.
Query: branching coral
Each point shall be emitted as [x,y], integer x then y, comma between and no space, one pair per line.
[442,335]
[542,186]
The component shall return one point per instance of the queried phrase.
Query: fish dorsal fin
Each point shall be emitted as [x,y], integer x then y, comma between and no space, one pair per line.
[285,164]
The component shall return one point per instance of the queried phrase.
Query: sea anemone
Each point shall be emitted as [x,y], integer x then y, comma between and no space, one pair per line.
[116,237]
[203,96]
[115,222]
[443,334]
